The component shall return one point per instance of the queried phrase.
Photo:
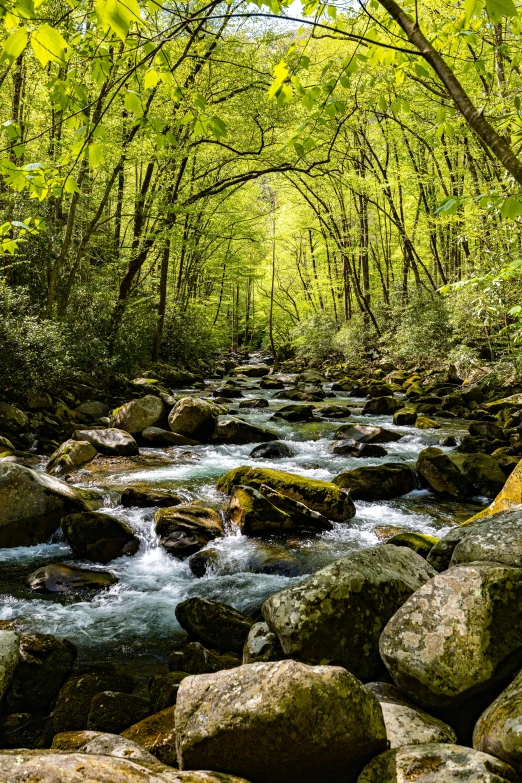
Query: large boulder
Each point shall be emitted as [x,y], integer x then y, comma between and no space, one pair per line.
[437,763]
[32,505]
[275,450]
[497,538]
[229,429]
[45,767]
[377,482]
[194,418]
[457,635]
[321,496]
[99,537]
[9,657]
[282,722]
[215,625]
[442,475]
[407,724]
[382,406]
[365,433]
[114,711]
[157,735]
[60,578]
[70,456]
[499,729]
[485,474]
[187,528]
[44,665]
[157,437]
[12,419]
[509,497]
[337,614]
[136,415]
[257,512]
[111,442]
[295,413]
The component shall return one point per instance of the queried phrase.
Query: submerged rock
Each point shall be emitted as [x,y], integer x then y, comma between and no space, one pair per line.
[232,430]
[457,635]
[136,415]
[59,578]
[99,537]
[215,625]
[187,528]
[275,450]
[377,482]
[144,496]
[437,763]
[70,456]
[32,505]
[498,730]
[407,724]
[321,496]
[111,442]
[310,723]
[194,418]
[337,614]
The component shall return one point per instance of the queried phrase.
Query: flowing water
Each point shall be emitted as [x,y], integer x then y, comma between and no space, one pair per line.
[136,617]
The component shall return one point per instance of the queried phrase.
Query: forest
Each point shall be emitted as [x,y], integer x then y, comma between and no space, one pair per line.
[260,391]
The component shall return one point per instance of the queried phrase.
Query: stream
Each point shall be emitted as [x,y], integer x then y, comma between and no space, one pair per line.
[135,618]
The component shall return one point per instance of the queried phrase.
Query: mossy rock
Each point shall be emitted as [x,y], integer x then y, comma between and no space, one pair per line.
[405,416]
[508,498]
[424,423]
[485,474]
[419,542]
[377,482]
[321,496]
[114,711]
[442,475]
[99,537]
[70,456]
[157,735]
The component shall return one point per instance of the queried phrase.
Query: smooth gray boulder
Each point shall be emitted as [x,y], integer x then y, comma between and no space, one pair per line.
[194,418]
[407,724]
[137,415]
[111,442]
[498,538]
[437,763]
[457,635]
[283,722]
[337,614]
[32,505]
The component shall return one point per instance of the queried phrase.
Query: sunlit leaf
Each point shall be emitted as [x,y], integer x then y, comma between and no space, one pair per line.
[48,45]
[14,46]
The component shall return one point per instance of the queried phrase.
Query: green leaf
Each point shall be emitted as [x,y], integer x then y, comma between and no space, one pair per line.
[469,10]
[150,79]
[218,127]
[132,103]
[14,46]
[95,154]
[118,15]
[498,8]
[512,207]
[448,207]
[70,185]
[48,45]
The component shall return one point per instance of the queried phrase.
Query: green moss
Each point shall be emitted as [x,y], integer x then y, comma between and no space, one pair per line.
[419,542]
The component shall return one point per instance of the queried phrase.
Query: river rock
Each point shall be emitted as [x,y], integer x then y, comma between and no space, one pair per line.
[60,578]
[9,657]
[441,553]
[193,658]
[257,512]
[356,449]
[365,433]
[442,475]
[295,413]
[70,456]
[258,402]
[275,450]
[32,505]
[215,625]
[508,498]
[419,542]
[73,740]
[45,663]
[156,734]
[187,528]
[405,416]
[12,419]
[194,418]
[303,518]
[486,429]
[262,645]
[105,744]
[227,392]
[407,724]
[74,700]
[232,430]
[498,539]
[99,537]
[425,423]
[144,496]
[258,370]
[111,442]
[93,408]
[309,723]
[155,436]
[321,496]
[113,711]
[436,763]
[357,595]
[333,411]
[457,635]
[136,415]
[382,406]
[485,474]
[377,482]
[163,689]
[498,730]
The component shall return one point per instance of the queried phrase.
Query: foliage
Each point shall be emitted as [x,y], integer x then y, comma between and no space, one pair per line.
[314,338]
[419,331]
